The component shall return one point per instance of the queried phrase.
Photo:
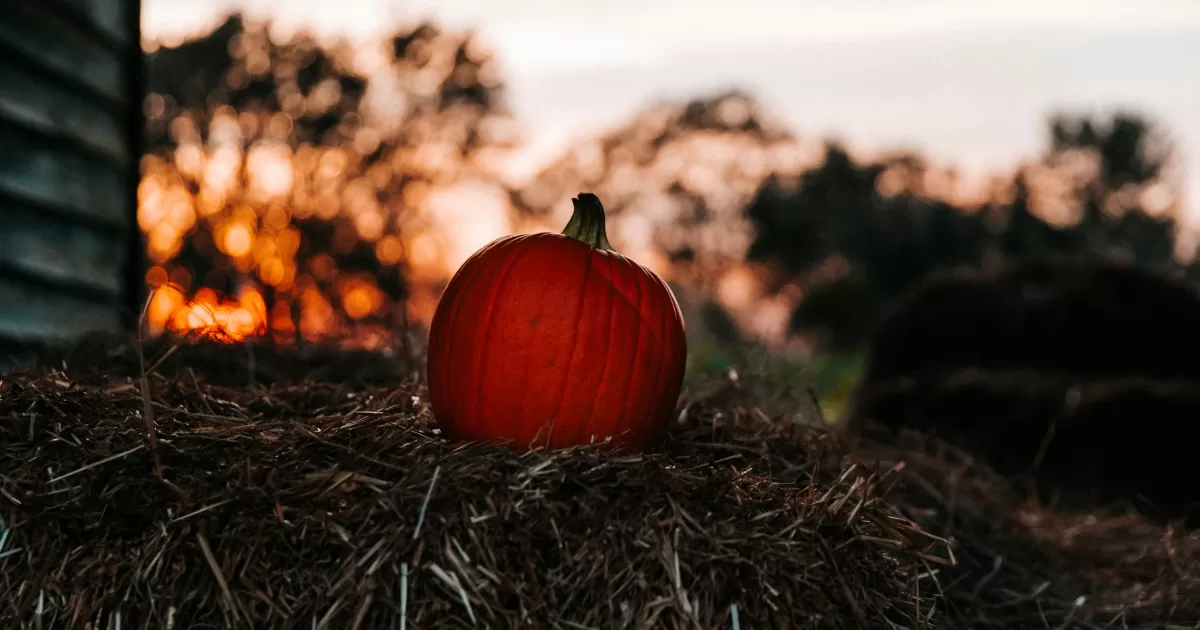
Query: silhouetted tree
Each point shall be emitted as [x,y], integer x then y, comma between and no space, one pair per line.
[675,180]
[856,248]
[276,141]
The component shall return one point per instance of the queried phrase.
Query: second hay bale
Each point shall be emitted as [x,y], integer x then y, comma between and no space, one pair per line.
[1081,376]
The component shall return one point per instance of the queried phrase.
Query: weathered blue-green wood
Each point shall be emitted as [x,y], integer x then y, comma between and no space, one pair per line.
[41,35]
[59,252]
[35,168]
[50,315]
[111,17]
[70,119]
[55,110]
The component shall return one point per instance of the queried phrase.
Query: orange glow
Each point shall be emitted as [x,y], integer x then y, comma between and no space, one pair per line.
[256,199]
[316,314]
[389,250]
[272,271]
[237,240]
[281,319]
[736,289]
[357,302]
[156,275]
[205,314]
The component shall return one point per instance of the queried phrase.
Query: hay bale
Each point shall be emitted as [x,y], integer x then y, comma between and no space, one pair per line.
[332,503]
[336,505]
[1091,319]
[1080,444]
[1082,376]
[1022,565]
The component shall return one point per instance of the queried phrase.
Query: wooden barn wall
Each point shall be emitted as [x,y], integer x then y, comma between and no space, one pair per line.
[70,132]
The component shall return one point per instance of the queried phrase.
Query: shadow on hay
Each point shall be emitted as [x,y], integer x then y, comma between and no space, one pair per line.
[1080,378]
[243,364]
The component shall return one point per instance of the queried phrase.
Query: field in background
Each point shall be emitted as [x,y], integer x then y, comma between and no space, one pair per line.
[831,375]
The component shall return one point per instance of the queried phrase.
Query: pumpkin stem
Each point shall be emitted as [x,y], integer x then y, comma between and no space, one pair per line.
[587,223]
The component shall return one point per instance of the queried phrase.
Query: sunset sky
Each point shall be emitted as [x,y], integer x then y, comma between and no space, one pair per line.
[968,82]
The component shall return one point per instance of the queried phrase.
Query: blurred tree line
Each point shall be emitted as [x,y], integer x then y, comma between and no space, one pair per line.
[263,166]
[1088,196]
[703,186]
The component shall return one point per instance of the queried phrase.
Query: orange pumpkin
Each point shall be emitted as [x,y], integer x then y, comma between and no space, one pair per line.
[553,340]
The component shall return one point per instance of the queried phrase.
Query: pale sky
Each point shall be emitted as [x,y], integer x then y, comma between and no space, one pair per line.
[967,82]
